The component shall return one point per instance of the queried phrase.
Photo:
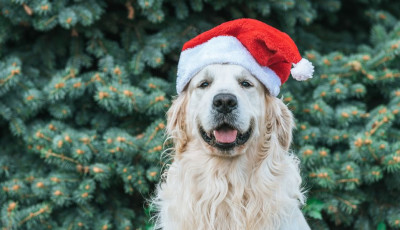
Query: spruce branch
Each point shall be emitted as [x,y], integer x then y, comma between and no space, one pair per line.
[348,203]
[50,20]
[27,9]
[131,10]
[34,214]
[356,180]
[100,42]
[49,153]
[9,77]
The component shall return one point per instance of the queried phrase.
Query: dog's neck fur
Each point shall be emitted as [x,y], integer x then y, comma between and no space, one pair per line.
[257,190]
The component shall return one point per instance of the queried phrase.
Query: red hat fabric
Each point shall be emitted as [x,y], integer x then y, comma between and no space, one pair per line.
[263,50]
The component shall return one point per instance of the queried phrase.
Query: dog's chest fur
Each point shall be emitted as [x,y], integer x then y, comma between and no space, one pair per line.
[204,192]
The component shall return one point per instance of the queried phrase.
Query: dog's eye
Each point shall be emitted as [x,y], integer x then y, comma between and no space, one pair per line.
[246,84]
[204,84]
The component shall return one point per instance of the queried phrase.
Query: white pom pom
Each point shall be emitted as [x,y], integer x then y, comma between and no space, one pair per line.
[303,70]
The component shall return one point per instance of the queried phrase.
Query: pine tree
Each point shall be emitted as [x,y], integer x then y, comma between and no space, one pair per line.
[348,135]
[84,86]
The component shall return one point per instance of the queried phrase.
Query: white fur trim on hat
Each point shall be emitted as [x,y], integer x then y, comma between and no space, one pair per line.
[221,50]
[303,70]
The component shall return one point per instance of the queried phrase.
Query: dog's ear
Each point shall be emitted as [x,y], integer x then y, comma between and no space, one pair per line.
[284,124]
[283,119]
[176,122]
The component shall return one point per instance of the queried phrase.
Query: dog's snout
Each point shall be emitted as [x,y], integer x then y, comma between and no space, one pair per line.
[224,102]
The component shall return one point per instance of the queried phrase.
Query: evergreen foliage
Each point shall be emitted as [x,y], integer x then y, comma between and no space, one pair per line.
[348,135]
[84,87]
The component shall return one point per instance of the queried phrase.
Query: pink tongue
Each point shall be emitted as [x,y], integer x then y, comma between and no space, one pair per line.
[225,135]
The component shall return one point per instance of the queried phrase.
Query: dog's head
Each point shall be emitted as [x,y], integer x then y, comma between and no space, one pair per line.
[227,110]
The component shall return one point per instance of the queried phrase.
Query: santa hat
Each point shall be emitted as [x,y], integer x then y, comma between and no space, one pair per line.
[264,51]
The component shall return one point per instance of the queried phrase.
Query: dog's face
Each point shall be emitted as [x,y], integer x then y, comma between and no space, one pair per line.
[224,110]
[225,104]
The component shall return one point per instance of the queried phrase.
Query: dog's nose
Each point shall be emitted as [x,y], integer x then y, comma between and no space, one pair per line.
[224,102]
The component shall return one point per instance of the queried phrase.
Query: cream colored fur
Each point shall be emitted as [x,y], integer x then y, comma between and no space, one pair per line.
[255,186]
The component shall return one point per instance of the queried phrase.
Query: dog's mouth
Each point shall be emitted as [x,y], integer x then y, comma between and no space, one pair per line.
[225,137]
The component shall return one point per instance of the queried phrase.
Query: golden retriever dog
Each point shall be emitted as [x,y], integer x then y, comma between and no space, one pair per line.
[232,168]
